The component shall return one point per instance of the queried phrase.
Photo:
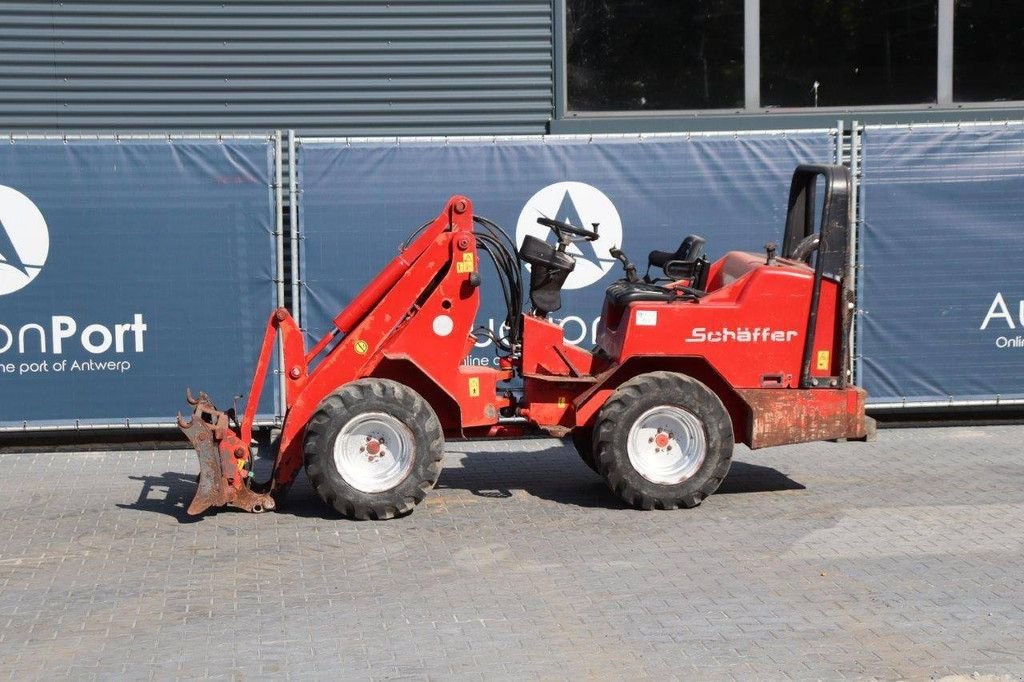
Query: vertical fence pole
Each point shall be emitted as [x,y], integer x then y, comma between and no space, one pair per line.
[751,54]
[855,216]
[279,245]
[560,66]
[944,58]
[293,227]
[840,157]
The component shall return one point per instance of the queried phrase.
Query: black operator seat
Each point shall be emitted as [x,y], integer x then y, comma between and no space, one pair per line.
[686,262]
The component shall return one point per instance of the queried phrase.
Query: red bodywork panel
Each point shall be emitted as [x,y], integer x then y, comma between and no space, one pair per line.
[747,333]
[750,327]
[554,374]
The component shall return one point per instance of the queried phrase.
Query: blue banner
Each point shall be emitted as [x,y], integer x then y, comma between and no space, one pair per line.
[360,200]
[942,291]
[130,270]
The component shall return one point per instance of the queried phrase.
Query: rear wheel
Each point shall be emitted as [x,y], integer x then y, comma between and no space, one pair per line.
[663,440]
[583,440]
[373,449]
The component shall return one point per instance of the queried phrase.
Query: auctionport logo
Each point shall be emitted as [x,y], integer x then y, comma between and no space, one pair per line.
[36,347]
[584,206]
[24,240]
[1002,316]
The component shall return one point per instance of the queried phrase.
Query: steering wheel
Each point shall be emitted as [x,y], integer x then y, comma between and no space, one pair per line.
[559,226]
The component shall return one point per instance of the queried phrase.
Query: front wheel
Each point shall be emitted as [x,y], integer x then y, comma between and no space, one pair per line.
[373,449]
[663,440]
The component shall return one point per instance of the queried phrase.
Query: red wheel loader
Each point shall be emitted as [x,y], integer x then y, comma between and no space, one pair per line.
[750,348]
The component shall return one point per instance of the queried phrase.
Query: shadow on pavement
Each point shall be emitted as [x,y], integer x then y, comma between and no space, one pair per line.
[754,478]
[550,477]
[176,492]
[548,474]
[171,492]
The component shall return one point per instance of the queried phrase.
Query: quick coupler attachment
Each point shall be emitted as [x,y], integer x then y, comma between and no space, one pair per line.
[224,460]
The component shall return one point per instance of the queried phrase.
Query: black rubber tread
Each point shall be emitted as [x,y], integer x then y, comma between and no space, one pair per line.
[583,441]
[624,407]
[373,395]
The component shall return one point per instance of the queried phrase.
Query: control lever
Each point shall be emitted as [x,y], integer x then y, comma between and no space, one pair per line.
[630,269]
[770,248]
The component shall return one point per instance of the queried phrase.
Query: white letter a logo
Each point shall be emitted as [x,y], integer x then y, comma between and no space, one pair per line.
[24,240]
[996,310]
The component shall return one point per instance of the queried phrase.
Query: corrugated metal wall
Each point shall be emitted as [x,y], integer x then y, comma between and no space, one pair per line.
[351,68]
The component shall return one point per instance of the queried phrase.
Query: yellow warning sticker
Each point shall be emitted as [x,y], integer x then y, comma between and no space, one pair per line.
[467,264]
[561,401]
[474,387]
[824,359]
[361,347]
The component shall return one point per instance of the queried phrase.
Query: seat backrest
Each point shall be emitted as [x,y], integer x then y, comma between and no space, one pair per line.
[687,262]
[692,248]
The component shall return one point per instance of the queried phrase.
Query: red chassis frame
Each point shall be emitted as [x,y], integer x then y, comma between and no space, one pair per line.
[413,323]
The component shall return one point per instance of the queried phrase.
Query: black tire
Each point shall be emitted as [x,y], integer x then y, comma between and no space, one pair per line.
[406,407]
[635,399]
[583,440]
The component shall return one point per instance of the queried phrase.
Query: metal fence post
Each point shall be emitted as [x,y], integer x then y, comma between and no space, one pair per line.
[856,215]
[279,240]
[293,227]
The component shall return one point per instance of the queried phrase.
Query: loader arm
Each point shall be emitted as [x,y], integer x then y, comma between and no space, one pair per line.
[345,353]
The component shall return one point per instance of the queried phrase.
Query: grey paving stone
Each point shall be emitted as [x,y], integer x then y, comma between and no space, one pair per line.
[898,559]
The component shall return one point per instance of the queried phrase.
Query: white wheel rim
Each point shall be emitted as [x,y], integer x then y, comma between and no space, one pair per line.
[374,452]
[667,445]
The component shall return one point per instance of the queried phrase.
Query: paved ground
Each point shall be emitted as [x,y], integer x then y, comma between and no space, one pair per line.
[902,558]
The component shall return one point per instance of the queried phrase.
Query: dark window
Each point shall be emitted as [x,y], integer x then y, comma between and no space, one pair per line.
[988,50]
[859,52]
[634,55]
